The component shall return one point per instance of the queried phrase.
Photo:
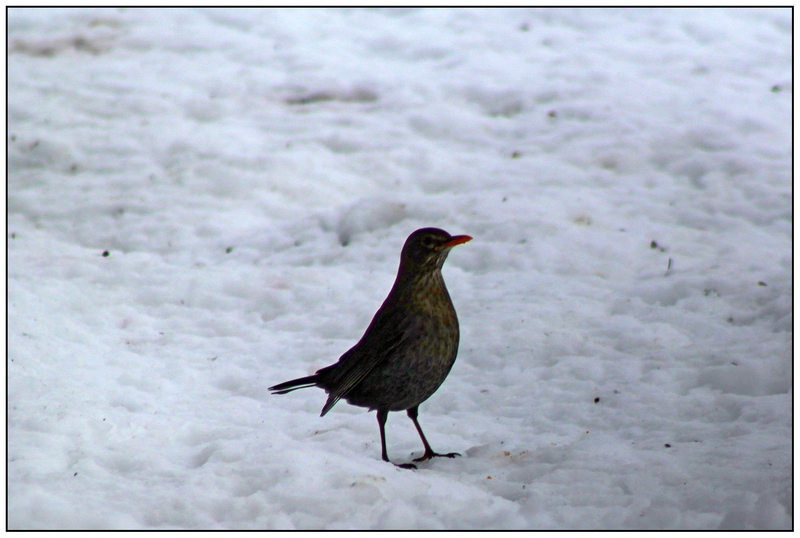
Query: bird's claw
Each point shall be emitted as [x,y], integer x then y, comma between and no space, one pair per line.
[429,455]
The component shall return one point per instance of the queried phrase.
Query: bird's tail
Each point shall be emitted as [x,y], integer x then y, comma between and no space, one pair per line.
[294,384]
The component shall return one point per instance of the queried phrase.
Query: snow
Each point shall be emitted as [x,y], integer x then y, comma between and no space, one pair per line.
[206,202]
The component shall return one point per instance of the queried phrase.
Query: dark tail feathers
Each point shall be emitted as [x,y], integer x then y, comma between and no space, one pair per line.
[294,384]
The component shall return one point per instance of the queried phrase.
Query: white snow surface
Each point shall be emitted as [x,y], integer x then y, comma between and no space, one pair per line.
[252,174]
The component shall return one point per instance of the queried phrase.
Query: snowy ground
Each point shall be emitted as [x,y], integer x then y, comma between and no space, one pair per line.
[625,304]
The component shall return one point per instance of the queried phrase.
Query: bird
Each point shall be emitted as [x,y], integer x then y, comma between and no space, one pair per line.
[408,348]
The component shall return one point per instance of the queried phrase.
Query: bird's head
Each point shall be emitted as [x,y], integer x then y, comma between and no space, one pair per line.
[427,248]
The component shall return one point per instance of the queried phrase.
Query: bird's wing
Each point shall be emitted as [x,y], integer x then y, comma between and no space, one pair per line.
[358,369]
[361,359]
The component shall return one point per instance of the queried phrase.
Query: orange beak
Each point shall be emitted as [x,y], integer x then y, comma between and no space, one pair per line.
[456,240]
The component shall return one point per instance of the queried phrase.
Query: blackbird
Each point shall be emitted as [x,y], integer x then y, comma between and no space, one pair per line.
[408,348]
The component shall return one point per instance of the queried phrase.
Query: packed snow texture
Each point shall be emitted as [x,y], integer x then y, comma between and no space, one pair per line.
[205,202]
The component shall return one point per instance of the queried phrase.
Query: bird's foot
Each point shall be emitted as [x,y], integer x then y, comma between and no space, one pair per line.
[401,465]
[431,454]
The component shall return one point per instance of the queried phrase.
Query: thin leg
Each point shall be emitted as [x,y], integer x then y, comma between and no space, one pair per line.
[413,412]
[382,416]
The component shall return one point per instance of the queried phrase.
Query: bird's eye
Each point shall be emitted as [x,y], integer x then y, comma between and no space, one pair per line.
[427,241]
